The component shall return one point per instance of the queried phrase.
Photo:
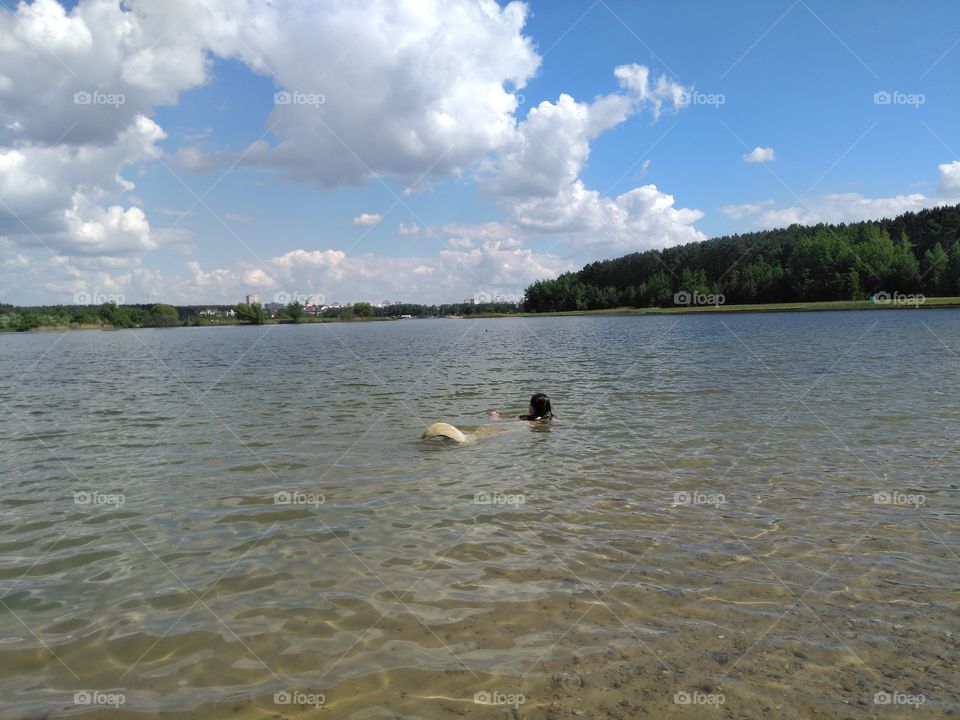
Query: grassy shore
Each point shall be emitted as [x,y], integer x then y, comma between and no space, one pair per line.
[930,302]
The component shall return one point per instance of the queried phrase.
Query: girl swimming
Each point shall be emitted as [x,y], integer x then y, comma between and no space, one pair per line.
[538,411]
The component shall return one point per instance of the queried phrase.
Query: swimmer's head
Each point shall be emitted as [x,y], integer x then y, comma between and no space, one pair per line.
[540,407]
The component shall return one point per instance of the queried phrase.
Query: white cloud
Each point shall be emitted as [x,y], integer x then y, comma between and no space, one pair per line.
[367,219]
[123,62]
[194,160]
[52,195]
[407,230]
[407,88]
[173,212]
[738,212]
[237,217]
[33,276]
[834,208]
[536,177]
[636,78]
[77,93]
[949,185]
[454,273]
[759,155]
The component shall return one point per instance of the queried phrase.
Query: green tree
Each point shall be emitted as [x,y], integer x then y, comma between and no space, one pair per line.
[904,269]
[28,320]
[934,271]
[819,266]
[363,309]
[952,280]
[164,316]
[252,313]
[117,316]
[659,290]
[294,311]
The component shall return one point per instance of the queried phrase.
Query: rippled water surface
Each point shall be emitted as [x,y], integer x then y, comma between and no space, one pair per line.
[752,511]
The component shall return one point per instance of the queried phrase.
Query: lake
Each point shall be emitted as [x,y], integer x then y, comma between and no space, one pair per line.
[747,514]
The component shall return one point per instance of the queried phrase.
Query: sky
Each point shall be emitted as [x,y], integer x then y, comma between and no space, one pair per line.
[196,151]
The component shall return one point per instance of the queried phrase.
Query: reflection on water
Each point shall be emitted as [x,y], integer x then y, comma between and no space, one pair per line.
[753,510]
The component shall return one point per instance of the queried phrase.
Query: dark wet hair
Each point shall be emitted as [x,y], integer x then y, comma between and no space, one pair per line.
[541,407]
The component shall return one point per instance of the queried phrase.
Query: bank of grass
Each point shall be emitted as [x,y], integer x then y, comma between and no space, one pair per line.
[930,302]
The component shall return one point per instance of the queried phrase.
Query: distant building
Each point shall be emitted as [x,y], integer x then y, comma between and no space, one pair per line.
[251,299]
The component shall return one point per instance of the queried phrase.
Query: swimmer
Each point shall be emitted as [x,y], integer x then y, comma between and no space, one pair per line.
[538,411]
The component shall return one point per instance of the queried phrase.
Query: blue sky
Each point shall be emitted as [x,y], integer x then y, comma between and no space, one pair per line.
[447,118]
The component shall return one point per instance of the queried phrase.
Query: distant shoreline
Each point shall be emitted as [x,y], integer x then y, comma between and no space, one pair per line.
[833,305]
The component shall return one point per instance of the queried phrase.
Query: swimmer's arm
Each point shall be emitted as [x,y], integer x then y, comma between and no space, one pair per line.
[487,430]
[495,415]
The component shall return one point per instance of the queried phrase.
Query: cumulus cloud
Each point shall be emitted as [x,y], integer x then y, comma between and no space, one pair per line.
[536,177]
[949,185]
[367,219]
[51,196]
[77,91]
[394,88]
[82,77]
[407,230]
[759,155]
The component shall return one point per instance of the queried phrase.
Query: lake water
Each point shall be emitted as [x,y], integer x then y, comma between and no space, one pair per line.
[753,511]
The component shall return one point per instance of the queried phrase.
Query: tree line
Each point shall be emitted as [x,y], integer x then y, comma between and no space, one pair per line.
[912,253]
[294,312]
[14,318]
[105,315]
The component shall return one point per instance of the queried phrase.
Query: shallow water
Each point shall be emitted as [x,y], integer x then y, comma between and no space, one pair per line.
[698,527]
